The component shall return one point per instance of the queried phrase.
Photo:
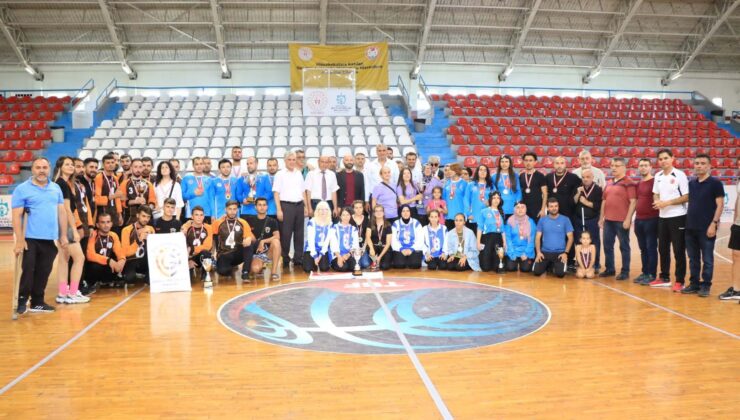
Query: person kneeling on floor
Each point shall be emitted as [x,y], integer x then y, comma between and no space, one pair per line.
[316,255]
[134,246]
[461,247]
[407,241]
[343,239]
[105,256]
[553,241]
[199,241]
[234,239]
[268,250]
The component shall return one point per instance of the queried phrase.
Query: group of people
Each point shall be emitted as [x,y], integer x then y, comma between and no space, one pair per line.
[94,217]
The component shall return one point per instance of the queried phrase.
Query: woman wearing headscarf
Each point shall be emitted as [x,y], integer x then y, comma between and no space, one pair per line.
[461,247]
[520,232]
[455,190]
[316,255]
[407,241]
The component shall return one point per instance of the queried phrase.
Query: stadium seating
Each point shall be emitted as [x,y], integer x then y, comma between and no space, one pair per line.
[265,126]
[24,130]
[631,128]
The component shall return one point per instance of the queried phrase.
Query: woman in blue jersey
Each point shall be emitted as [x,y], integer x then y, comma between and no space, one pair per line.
[460,247]
[407,240]
[520,232]
[506,182]
[434,243]
[316,255]
[454,193]
[476,198]
[343,239]
[491,229]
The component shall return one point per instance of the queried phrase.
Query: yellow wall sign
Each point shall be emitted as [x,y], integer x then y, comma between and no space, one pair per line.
[370,61]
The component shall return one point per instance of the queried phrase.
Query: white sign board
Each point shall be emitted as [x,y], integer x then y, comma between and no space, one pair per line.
[329,102]
[728,213]
[5,212]
[168,263]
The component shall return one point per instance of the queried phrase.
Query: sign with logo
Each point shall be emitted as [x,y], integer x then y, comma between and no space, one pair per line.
[369,60]
[728,212]
[332,102]
[5,213]
[168,263]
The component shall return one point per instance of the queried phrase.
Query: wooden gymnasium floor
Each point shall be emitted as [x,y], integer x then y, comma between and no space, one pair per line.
[610,350]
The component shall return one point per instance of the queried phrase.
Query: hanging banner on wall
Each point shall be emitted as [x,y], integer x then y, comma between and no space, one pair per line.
[369,60]
[168,263]
[329,92]
[5,213]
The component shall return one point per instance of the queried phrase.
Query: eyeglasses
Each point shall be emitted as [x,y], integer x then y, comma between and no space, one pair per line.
[434,164]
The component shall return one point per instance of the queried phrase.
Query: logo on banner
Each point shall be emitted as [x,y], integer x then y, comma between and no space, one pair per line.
[5,214]
[341,99]
[305,53]
[317,100]
[372,52]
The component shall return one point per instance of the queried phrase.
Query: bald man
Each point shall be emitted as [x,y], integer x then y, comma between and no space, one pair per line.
[351,183]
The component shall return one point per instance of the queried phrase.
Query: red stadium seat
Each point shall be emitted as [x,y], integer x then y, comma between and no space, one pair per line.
[6,180]
[470,162]
[487,161]
[464,151]
[494,151]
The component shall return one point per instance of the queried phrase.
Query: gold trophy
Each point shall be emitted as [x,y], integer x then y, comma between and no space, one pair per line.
[357,254]
[207,264]
[500,253]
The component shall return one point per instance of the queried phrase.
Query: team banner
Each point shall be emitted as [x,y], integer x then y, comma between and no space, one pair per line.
[369,60]
[168,263]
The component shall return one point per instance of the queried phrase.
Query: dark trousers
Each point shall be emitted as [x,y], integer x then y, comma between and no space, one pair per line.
[310,265]
[525,266]
[592,227]
[36,265]
[454,265]
[613,230]
[346,267]
[240,255]
[385,262]
[100,273]
[133,266]
[488,258]
[646,231]
[551,261]
[403,261]
[671,233]
[292,226]
[700,249]
[436,263]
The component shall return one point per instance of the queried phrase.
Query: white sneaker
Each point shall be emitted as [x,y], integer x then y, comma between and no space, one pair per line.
[62,299]
[78,298]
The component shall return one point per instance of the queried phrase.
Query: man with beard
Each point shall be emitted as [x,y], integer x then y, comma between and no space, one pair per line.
[332,163]
[247,188]
[238,166]
[234,240]
[88,180]
[351,183]
[553,241]
[646,224]
[534,187]
[104,254]
[197,190]
[107,194]
[85,214]
[125,166]
[562,185]
[176,166]
[588,210]
[133,240]
[138,191]
[412,162]
[147,167]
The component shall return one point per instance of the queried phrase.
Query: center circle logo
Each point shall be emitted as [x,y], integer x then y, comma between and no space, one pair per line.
[305,53]
[317,101]
[346,316]
[372,52]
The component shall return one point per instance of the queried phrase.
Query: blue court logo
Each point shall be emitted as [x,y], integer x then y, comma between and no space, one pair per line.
[346,316]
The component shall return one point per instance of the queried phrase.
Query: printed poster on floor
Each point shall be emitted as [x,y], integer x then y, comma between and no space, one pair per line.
[168,263]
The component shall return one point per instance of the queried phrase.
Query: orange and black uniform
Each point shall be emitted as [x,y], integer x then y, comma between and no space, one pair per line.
[104,184]
[130,189]
[134,249]
[229,235]
[101,249]
[199,242]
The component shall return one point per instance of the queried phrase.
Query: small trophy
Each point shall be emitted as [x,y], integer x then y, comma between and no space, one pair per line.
[357,254]
[267,272]
[140,187]
[500,253]
[252,188]
[207,265]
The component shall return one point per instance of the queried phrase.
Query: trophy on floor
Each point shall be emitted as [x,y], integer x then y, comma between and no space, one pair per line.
[500,253]
[357,254]
[207,265]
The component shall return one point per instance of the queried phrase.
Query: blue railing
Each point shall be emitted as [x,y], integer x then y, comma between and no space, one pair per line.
[527,90]
[82,93]
[105,94]
[402,88]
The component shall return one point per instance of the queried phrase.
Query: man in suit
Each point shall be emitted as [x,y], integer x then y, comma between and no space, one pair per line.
[351,183]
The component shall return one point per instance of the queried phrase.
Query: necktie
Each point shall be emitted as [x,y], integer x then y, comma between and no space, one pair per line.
[323,185]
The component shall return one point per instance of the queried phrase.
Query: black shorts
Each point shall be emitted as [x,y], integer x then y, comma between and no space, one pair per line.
[735,237]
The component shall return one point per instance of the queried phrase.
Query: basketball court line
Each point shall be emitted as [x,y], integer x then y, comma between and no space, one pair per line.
[443,410]
[671,311]
[69,342]
[720,255]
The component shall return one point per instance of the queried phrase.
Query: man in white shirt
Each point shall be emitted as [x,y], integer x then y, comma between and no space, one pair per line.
[373,174]
[291,209]
[586,161]
[413,163]
[321,185]
[670,195]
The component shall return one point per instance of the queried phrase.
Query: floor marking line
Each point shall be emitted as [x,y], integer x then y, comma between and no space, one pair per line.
[694,320]
[69,342]
[443,410]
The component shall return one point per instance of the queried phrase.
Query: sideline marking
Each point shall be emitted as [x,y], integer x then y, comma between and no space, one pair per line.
[694,320]
[69,342]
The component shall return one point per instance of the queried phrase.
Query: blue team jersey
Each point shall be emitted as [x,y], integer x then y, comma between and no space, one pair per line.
[223,191]
[189,184]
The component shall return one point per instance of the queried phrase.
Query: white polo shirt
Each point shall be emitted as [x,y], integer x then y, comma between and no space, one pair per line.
[289,184]
[669,187]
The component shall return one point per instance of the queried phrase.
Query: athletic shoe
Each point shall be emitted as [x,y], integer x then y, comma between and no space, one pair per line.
[646,281]
[245,275]
[79,298]
[22,307]
[660,283]
[677,287]
[704,291]
[638,279]
[607,274]
[63,299]
[690,289]
[730,294]
[44,307]
[623,276]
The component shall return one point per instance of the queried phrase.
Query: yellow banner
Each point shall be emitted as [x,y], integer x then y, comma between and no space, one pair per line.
[369,60]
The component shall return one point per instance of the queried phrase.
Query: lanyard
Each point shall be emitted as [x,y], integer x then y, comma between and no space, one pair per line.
[556,182]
